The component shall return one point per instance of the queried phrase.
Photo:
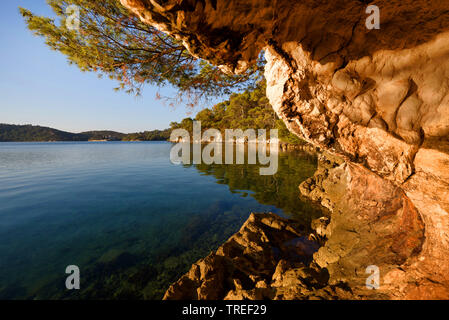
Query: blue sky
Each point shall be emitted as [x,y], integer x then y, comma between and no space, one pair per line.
[38,86]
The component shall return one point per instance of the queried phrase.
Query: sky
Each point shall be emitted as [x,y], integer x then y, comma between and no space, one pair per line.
[39,87]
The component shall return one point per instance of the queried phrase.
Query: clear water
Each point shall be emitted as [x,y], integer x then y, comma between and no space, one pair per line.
[132,221]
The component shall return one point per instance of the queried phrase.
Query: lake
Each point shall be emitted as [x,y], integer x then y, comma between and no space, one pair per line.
[132,221]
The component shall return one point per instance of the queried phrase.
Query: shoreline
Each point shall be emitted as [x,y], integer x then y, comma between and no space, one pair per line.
[371,224]
[283,146]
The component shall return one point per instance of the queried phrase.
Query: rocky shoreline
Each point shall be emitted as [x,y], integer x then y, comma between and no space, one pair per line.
[269,258]
[371,223]
[377,99]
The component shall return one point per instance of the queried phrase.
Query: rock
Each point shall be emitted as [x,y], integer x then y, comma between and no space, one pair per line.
[319,226]
[258,262]
[378,99]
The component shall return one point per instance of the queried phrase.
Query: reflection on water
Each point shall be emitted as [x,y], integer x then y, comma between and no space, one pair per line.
[130,219]
[279,190]
[266,155]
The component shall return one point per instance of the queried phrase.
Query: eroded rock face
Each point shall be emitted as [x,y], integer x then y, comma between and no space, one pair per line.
[372,95]
[377,98]
[373,222]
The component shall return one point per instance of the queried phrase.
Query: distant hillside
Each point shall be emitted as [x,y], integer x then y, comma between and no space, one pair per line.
[30,133]
[23,133]
[104,135]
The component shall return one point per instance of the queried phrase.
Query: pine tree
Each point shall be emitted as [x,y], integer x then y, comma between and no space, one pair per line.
[113,42]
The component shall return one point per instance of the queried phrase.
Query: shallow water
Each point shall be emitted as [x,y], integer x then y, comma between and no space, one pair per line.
[132,221]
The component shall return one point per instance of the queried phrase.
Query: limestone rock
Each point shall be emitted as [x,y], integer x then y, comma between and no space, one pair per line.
[267,258]
[377,98]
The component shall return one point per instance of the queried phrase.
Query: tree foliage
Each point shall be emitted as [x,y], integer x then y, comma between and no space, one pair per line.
[247,110]
[113,42]
[154,135]
[22,133]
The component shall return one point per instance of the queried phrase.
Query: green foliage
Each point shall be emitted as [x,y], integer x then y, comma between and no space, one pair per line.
[286,135]
[22,133]
[104,135]
[113,42]
[248,110]
[155,135]
[30,133]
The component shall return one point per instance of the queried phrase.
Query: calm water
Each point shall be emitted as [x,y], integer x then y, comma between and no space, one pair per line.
[132,221]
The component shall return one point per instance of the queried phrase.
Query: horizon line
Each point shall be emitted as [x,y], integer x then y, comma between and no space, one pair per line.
[80,132]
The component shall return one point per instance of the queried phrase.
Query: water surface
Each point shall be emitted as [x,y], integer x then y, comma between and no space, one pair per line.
[132,221]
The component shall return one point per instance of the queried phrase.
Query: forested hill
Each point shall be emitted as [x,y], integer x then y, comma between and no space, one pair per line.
[247,110]
[104,135]
[30,133]
[22,133]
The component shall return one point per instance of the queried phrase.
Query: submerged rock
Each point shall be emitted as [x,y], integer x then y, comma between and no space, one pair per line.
[268,258]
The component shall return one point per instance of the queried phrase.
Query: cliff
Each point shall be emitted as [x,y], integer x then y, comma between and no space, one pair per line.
[378,99]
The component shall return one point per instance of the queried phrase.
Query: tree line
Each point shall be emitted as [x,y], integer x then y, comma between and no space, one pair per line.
[30,133]
[247,110]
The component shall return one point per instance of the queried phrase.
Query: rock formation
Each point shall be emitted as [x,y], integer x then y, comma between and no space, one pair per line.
[377,98]
[269,258]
